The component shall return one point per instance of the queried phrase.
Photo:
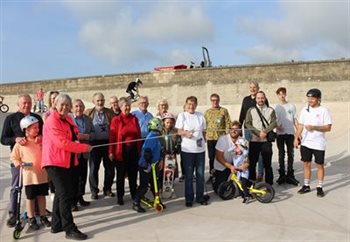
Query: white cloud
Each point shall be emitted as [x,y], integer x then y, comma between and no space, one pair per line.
[132,34]
[303,26]
[263,54]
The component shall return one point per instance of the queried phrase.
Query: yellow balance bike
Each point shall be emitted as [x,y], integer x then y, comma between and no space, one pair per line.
[156,204]
[263,192]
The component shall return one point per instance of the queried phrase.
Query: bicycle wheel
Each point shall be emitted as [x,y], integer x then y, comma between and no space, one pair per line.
[4,108]
[226,190]
[269,195]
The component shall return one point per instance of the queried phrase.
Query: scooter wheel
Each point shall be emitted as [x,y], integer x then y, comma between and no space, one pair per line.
[159,208]
[16,234]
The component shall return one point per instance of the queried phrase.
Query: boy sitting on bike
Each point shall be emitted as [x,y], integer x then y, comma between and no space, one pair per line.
[241,163]
[150,153]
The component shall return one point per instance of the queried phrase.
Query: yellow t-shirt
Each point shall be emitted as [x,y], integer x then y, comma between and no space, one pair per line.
[31,152]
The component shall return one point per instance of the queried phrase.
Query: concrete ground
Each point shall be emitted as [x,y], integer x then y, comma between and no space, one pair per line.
[289,217]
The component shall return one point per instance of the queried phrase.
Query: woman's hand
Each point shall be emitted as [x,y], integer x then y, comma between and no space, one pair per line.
[111,157]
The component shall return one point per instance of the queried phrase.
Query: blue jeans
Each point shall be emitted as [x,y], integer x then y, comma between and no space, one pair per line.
[194,161]
[13,192]
[248,137]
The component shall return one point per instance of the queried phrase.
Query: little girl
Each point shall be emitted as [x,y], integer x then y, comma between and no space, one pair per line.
[35,179]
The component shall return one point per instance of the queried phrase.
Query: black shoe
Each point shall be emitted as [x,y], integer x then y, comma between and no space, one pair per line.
[45,221]
[246,200]
[188,204]
[48,213]
[291,180]
[206,197]
[204,202]
[304,189]
[94,196]
[75,208]
[163,205]
[83,203]
[281,179]
[33,224]
[120,201]
[75,234]
[55,231]
[108,193]
[137,207]
[11,222]
[210,180]
[320,192]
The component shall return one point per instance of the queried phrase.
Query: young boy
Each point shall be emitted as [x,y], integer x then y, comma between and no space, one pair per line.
[35,179]
[240,162]
[286,122]
[150,154]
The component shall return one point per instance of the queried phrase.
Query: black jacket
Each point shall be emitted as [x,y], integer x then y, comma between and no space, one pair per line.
[247,103]
[11,129]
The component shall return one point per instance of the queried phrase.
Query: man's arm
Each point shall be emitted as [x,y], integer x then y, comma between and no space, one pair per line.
[297,134]
[322,128]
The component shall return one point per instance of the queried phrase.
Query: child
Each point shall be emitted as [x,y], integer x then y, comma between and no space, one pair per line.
[35,179]
[134,86]
[240,162]
[171,142]
[150,154]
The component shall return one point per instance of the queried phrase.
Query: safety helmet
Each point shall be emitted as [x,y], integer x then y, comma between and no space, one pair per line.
[155,124]
[138,81]
[167,115]
[314,92]
[27,121]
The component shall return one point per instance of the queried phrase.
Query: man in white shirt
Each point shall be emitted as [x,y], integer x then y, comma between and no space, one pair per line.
[286,121]
[314,121]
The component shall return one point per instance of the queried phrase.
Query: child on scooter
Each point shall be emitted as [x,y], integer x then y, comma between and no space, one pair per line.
[150,154]
[35,179]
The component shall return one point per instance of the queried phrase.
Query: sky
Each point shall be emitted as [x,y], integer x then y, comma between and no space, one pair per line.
[51,39]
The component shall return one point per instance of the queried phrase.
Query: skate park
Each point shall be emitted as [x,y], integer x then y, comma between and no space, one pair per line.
[289,217]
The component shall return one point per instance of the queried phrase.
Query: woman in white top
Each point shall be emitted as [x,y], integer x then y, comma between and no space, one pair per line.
[191,126]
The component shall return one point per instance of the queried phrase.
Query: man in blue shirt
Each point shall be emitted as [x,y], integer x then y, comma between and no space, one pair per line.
[143,115]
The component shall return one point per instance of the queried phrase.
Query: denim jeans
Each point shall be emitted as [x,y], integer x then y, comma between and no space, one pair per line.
[194,161]
[248,137]
[13,192]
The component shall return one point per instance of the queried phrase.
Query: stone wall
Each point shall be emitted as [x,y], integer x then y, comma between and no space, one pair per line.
[230,82]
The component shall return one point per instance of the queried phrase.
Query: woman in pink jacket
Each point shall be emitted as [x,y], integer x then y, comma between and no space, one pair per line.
[59,156]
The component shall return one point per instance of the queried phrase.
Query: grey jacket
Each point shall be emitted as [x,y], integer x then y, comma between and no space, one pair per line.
[254,124]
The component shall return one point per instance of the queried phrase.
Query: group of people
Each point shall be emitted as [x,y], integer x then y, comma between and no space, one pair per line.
[68,141]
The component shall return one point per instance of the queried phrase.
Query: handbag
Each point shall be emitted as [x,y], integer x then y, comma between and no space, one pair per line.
[270,136]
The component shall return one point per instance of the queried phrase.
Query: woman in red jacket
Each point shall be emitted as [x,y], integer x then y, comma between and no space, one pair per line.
[124,130]
[59,156]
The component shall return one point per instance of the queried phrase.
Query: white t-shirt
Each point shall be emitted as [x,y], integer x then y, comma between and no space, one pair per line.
[286,114]
[193,122]
[226,145]
[315,116]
